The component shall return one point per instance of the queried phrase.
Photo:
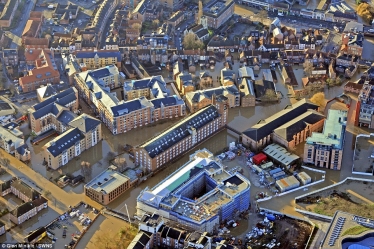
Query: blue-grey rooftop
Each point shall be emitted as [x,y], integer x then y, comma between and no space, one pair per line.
[180,131]
[64,141]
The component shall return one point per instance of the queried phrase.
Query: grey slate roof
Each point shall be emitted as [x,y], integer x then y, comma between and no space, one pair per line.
[130,106]
[66,116]
[85,123]
[51,104]
[265,127]
[180,131]
[65,141]
[297,125]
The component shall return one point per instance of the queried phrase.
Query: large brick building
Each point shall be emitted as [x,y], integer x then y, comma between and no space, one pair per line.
[44,70]
[107,186]
[122,116]
[181,137]
[217,13]
[200,99]
[55,112]
[83,132]
[261,134]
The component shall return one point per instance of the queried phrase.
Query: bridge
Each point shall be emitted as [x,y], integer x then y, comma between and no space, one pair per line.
[256,3]
[119,215]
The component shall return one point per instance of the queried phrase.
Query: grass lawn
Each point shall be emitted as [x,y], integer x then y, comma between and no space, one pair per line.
[356,230]
[329,206]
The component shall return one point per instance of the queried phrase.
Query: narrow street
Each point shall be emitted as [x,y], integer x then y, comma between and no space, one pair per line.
[61,199]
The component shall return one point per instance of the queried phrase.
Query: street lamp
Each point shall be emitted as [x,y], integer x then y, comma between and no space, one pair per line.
[127,211]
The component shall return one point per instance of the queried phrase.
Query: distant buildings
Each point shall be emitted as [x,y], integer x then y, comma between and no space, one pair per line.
[326,149]
[107,186]
[218,12]
[122,116]
[33,202]
[79,134]
[200,194]
[8,9]
[65,13]
[181,137]
[275,128]
[98,58]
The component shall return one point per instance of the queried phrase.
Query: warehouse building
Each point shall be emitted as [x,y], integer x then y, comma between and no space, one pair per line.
[200,194]
[304,178]
[287,183]
[280,155]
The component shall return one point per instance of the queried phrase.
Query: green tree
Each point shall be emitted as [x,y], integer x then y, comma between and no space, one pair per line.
[191,42]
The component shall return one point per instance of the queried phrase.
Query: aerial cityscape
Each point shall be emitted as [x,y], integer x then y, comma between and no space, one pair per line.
[187,124]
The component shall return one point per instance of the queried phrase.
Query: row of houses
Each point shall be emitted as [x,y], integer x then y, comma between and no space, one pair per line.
[33,202]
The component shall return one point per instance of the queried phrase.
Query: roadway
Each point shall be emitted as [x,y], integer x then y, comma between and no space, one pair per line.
[15,34]
[61,198]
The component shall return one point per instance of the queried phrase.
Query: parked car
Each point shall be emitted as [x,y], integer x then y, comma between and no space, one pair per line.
[371,30]
[64,233]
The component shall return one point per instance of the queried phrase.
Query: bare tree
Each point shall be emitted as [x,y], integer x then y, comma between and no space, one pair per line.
[318,99]
[262,15]
[270,95]
[191,42]
[137,26]
[308,68]
[86,169]
[121,163]
[155,23]
[110,156]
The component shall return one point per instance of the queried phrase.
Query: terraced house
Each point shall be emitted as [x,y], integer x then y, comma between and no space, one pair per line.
[33,201]
[99,58]
[136,110]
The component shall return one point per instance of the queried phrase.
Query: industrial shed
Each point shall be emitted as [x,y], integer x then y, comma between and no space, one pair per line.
[304,178]
[287,183]
[280,155]
[259,158]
